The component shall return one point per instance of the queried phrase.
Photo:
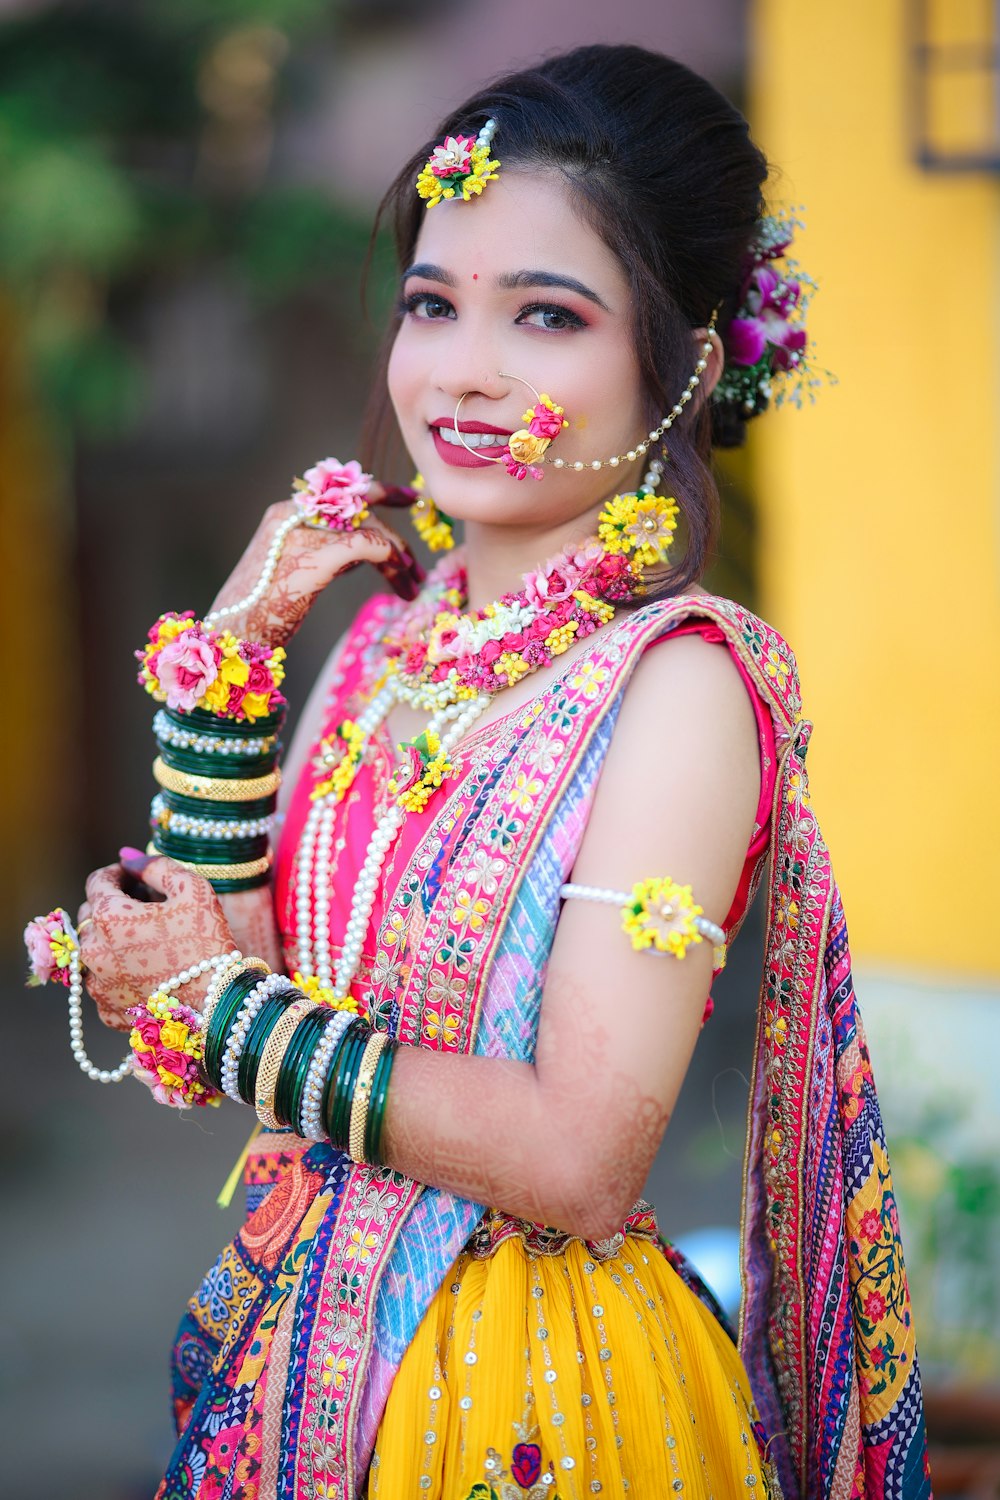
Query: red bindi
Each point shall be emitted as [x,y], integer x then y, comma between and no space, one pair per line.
[475,275]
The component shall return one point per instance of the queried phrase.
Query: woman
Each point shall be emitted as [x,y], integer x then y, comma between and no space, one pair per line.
[492,1311]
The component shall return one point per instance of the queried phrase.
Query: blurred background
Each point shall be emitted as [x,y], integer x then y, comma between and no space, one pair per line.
[186,193]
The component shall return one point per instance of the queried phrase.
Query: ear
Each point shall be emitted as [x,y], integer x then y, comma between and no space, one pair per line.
[716,360]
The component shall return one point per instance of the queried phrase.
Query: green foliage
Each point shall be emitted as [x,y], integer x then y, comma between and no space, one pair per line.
[105,113]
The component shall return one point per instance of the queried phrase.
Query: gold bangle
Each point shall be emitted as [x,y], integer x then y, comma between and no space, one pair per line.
[223,980]
[362,1098]
[273,1056]
[219,872]
[213,788]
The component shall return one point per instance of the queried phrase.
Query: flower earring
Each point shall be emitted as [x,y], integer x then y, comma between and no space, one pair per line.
[431,525]
[639,528]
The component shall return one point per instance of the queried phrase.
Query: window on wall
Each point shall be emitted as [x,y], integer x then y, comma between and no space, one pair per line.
[955,60]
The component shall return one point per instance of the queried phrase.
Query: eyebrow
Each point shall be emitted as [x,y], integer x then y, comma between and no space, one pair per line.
[511,281]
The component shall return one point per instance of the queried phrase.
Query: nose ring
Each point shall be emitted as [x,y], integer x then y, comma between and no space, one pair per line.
[527,446]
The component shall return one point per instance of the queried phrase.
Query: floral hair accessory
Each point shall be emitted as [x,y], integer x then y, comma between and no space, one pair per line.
[51,944]
[333,495]
[168,1052]
[460,165]
[186,665]
[767,341]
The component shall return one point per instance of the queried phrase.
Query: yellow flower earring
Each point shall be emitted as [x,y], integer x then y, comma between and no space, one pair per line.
[640,526]
[432,525]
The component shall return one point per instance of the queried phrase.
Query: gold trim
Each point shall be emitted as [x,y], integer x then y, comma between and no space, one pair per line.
[214,788]
[219,872]
[361,1100]
[274,1055]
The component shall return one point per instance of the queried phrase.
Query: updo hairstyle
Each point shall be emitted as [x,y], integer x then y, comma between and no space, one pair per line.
[664,170]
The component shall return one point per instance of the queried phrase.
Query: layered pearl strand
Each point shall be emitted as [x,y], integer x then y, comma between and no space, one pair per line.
[167,987]
[313,885]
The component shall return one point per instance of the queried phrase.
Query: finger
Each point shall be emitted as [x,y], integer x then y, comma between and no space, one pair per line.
[172,880]
[400,569]
[395,497]
[105,884]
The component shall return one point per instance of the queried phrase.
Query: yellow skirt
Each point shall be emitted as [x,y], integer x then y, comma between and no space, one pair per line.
[559,1376]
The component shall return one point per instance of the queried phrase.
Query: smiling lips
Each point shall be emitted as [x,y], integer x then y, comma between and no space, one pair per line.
[479,435]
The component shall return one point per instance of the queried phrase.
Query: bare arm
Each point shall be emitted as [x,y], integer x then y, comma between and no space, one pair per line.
[569,1140]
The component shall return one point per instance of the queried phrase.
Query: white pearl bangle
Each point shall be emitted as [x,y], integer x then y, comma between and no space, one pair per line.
[265,989]
[310,1124]
[208,744]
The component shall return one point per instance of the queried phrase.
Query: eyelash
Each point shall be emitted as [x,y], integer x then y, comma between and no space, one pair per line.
[415,300]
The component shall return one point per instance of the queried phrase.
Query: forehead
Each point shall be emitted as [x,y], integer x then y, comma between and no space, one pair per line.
[524,219]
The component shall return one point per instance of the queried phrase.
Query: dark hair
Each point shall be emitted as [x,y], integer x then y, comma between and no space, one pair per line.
[664,170]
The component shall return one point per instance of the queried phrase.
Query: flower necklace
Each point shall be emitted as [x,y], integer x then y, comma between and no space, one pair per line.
[451,662]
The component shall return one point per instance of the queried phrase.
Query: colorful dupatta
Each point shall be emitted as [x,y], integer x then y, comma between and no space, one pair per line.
[320,1294]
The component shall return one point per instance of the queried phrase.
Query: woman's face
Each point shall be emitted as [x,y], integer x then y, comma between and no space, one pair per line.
[516,282]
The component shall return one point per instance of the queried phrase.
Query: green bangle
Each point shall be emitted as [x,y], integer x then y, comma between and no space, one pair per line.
[203,851]
[376,1109]
[200,721]
[261,1027]
[219,767]
[205,807]
[344,1072]
[223,1016]
[295,1066]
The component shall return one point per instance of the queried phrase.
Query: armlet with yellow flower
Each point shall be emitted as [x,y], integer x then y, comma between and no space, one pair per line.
[658,915]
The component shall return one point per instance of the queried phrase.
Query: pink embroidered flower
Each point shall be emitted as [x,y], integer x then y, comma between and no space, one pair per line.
[451,158]
[875,1306]
[186,667]
[334,493]
[526,1464]
[878,1356]
[870,1225]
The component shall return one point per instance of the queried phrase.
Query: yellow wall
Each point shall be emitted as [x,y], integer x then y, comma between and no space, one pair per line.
[879,515]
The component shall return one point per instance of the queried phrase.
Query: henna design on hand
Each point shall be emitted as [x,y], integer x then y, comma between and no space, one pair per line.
[129,946]
[310,559]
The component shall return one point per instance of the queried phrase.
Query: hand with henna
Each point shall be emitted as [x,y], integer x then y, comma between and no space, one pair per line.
[131,944]
[311,558]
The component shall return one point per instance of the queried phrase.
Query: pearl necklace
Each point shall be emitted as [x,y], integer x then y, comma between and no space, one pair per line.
[315,860]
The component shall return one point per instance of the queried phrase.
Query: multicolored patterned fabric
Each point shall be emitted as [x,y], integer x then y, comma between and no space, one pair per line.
[288,1351]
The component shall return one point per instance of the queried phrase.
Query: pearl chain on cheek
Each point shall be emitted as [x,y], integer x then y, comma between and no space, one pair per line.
[640,449]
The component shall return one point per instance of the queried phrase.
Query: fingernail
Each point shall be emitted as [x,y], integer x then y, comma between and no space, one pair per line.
[135,859]
[399,495]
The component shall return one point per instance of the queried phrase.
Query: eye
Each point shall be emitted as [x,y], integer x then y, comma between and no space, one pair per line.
[427,306]
[549,315]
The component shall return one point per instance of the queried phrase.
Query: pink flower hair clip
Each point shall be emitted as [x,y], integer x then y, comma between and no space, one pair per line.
[460,166]
[767,341]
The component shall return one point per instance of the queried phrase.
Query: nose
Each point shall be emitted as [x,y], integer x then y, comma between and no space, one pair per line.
[469,365]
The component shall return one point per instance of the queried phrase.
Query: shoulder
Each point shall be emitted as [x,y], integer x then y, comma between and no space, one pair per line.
[760,658]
